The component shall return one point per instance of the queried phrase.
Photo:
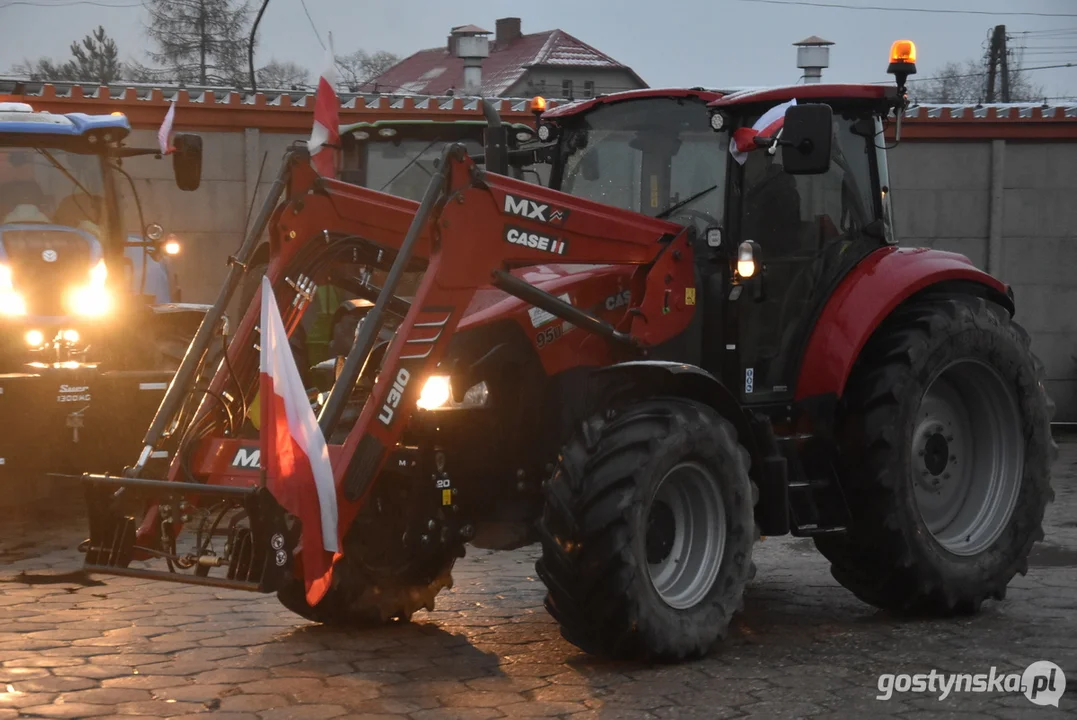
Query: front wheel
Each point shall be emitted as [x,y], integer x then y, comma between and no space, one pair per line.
[647,532]
[946,459]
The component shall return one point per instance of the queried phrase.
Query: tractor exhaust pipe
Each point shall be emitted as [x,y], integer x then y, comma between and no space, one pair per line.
[177,391]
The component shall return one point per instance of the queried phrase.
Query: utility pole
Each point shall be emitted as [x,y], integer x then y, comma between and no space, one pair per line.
[998,65]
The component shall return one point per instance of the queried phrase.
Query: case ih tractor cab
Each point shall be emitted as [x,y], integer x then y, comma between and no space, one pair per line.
[655,396]
[90,331]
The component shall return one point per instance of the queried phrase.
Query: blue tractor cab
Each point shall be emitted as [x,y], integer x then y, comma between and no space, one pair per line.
[90,320]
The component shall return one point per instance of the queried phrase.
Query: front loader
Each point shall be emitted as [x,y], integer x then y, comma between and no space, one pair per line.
[679,346]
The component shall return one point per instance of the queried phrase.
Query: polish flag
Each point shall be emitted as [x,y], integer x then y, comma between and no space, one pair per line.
[767,126]
[325,137]
[294,452]
[164,134]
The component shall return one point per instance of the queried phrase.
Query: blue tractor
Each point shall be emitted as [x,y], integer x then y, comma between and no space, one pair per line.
[91,327]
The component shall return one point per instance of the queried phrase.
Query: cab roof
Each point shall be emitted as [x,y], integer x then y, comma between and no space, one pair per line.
[731,96]
[21,118]
[831,91]
[581,106]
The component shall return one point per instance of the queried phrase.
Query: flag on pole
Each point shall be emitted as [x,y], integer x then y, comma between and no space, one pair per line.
[164,133]
[767,126]
[294,452]
[325,135]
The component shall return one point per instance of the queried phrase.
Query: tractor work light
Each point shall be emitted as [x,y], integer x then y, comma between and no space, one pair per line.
[717,121]
[545,133]
[171,246]
[387,132]
[437,395]
[35,338]
[746,259]
[70,336]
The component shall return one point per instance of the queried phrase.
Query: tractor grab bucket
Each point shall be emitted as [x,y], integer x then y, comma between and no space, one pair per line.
[257,554]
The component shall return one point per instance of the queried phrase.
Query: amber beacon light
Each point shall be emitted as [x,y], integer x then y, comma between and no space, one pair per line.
[902,61]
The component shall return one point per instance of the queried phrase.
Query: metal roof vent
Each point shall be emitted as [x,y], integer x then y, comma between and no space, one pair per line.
[472,45]
[813,54]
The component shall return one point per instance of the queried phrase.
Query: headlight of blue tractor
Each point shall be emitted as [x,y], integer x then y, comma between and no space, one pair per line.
[437,395]
[11,302]
[93,299]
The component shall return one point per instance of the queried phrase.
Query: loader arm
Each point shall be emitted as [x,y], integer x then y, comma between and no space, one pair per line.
[471,228]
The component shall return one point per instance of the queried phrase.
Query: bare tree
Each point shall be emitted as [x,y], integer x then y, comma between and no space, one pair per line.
[199,41]
[966,84]
[283,75]
[95,59]
[360,66]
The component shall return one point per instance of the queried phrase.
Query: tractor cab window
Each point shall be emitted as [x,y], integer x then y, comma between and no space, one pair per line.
[50,186]
[404,168]
[809,229]
[658,157]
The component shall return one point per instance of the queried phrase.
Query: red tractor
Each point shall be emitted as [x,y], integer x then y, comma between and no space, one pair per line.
[655,361]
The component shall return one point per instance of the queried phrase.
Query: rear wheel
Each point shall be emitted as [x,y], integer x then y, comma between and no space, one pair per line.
[648,531]
[946,459]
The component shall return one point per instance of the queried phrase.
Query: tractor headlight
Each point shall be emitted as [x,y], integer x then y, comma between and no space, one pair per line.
[98,274]
[11,302]
[437,395]
[91,301]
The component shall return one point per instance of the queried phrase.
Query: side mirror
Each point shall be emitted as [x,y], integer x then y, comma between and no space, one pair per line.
[187,161]
[806,138]
[496,140]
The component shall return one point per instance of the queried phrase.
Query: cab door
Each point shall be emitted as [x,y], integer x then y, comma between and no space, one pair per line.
[810,230]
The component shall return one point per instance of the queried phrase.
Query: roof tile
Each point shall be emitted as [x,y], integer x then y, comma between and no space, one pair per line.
[435,71]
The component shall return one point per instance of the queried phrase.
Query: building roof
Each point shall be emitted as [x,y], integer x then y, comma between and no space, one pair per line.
[436,71]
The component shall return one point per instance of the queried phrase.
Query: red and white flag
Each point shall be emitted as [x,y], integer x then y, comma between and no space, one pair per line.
[767,126]
[294,452]
[325,137]
[164,133]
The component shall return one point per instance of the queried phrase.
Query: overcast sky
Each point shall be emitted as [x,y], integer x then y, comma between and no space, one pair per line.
[676,42]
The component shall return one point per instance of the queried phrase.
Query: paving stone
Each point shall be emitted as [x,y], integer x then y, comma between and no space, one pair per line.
[803,646]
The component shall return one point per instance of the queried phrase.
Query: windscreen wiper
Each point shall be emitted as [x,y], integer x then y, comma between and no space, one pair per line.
[410,163]
[677,206]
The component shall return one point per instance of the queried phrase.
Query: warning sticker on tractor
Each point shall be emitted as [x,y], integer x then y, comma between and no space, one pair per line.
[446,497]
[540,317]
[689,296]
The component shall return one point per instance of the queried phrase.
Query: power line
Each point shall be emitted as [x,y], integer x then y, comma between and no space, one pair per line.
[979,74]
[312,25]
[880,8]
[13,3]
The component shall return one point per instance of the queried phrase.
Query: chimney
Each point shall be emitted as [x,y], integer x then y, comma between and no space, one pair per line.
[472,45]
[813,54]
[508,29]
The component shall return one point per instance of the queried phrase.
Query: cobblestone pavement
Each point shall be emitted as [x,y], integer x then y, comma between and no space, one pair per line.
[803,648]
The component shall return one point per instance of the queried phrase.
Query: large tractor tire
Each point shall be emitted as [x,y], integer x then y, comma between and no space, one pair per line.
[648,531]
[945,460]
[377,580]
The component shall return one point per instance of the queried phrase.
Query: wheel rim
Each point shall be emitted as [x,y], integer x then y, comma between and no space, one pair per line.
[686,533]
[967,457]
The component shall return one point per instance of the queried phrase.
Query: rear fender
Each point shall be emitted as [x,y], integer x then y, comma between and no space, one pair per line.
[869,294]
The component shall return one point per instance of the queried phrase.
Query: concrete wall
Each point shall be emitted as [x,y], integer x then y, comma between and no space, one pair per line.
[210,220]
[1008,206]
